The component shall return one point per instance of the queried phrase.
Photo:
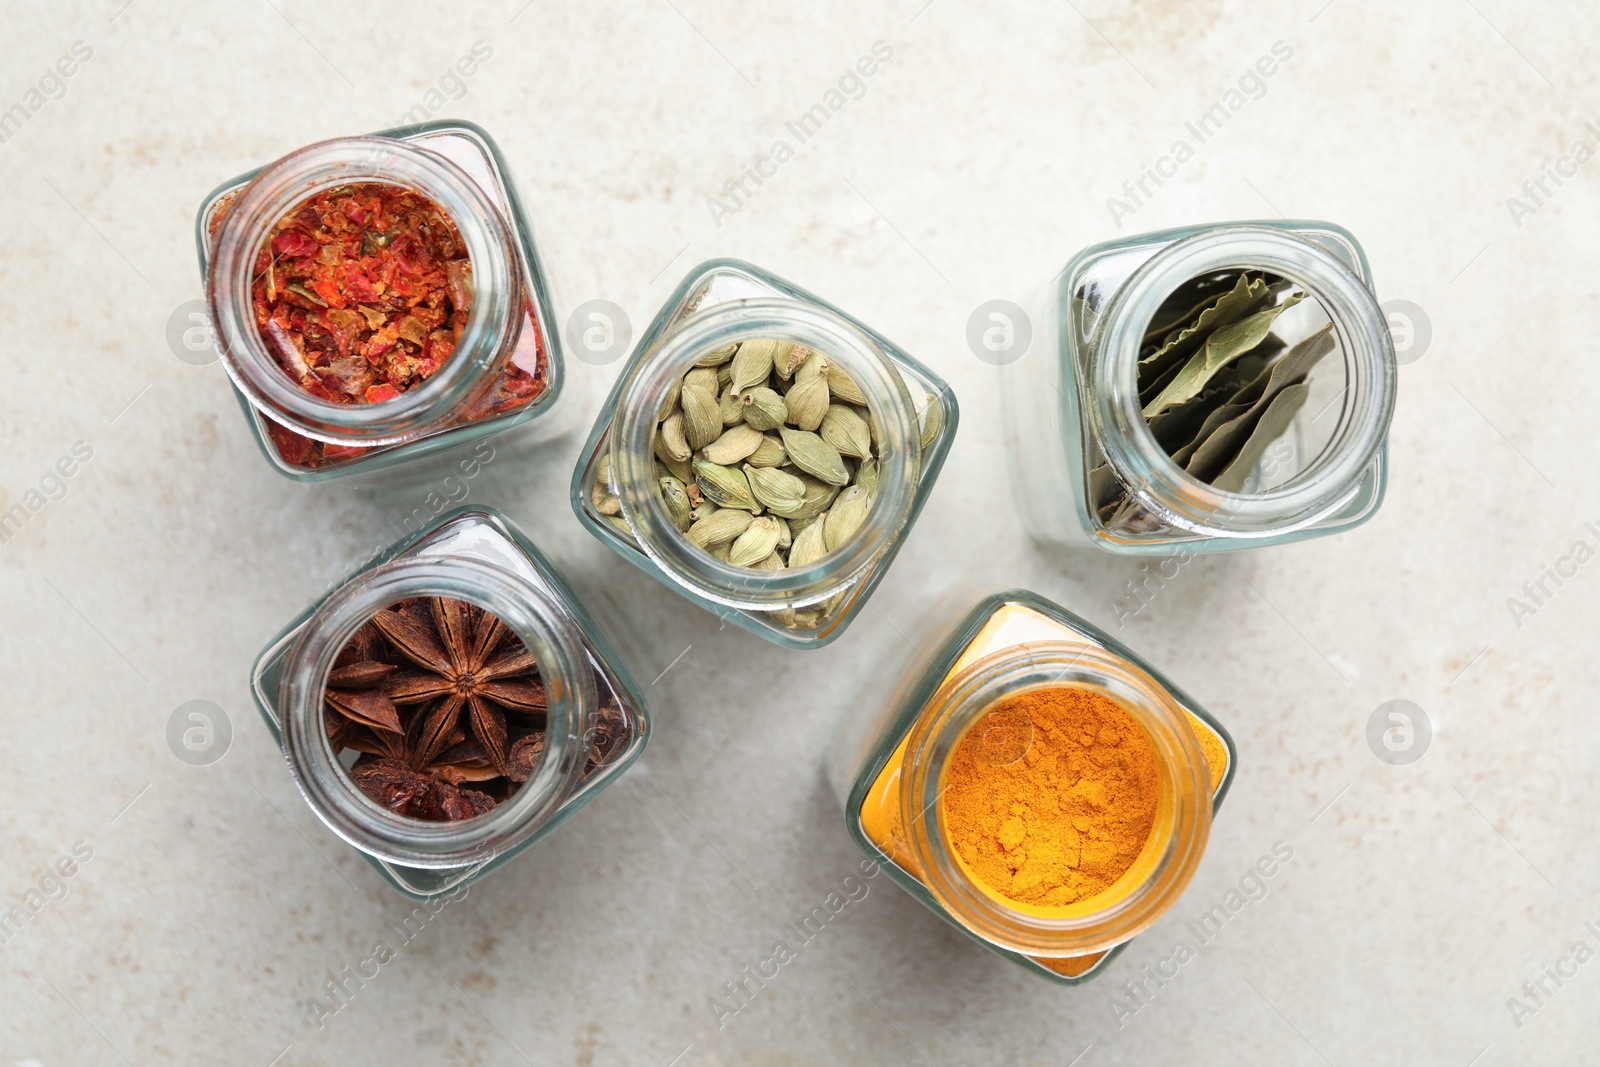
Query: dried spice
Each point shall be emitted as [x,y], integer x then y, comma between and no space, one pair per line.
[361,293]
[1216,385]
[447,709]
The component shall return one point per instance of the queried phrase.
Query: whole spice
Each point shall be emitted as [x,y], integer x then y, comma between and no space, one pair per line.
[784,462]
[362,292]
[1217,387]
[1050,797]
[447,708]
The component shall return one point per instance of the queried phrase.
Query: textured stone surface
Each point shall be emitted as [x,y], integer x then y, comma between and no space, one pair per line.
[215,908]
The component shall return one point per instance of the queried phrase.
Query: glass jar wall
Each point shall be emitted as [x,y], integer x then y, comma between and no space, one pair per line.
[1216,387]
[898,772]
[871,435]
[377,299]
[401,762]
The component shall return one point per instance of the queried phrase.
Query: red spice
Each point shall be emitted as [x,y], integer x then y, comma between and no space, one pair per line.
[362,292]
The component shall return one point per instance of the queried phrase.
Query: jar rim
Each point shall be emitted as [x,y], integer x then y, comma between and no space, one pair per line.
[1173,850]
[1146,470]
[891,413]
[543,626]
[296,177]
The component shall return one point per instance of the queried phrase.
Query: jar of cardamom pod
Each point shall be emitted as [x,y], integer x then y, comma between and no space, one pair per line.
[1037,785]
[1213,387]
[449,704]
[764,454]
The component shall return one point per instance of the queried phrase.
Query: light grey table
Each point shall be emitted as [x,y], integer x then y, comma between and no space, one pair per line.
[214,909]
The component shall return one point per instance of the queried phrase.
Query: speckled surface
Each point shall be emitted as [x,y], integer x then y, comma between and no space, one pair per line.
[215,908]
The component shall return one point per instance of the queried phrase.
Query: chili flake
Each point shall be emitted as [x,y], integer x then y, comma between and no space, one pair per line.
[362,292]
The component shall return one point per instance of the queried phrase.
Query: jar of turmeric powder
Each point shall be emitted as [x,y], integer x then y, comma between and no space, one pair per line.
[1040,786]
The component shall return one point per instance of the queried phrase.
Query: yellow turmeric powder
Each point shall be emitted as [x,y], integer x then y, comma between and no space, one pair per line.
[1059,816]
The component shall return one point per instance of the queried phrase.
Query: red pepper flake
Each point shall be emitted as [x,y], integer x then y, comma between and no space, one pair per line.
[362,293]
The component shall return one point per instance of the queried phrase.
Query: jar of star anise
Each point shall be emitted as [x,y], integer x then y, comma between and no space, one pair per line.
[379,298]
[449,704]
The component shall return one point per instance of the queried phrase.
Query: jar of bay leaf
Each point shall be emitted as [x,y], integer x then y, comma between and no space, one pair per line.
[764,453]
[1216,387]
[1037,785]
[449,704]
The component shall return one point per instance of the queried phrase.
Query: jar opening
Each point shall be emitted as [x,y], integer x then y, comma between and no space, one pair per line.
[380,815]
[270,361]
[840,428]
[1243,382]
[1084,838]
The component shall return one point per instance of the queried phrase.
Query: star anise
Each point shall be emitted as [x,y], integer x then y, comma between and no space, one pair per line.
[437,694]
[409,724]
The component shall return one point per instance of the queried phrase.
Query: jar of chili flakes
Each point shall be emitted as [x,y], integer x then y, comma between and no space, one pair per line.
[378,298]
[449,704]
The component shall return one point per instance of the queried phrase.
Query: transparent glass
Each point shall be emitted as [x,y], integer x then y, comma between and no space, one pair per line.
[719,303]
[1077,437]
[457,166]
[889,769]
[476,555]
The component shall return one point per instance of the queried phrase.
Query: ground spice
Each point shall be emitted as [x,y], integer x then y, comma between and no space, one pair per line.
[1056,817]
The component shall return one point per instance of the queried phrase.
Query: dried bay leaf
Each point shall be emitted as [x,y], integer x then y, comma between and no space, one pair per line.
[1221,348]
[1274,423]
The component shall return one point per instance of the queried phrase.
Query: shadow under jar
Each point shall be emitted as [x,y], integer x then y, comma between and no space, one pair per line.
[1212,387]
[846,435]
[397,763]
[1026,702]
[378,299]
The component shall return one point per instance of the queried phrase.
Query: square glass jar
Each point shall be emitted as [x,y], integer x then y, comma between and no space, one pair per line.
[469,553]
[728,300]
[512,327]
[1008,642]
[1077,438]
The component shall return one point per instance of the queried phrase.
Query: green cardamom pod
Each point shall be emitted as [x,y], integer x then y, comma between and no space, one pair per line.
[619,524]
[785,534]
[602,494]
[807,402]
[735,444]
[932,419]
[752,364]
[669,403]
[788,360]
[702,423]
[845,430]
[770,454]
[677,501]
[773,562]
[815,363]
[819,498]
[846,516]
[730,408]
[867,475]
[718,528]
[844,387]
[717,356]
[703,377]
[670,441]
[809,546]
[763,408]
[724,486]
[757,542]
[780,491]
[815,456]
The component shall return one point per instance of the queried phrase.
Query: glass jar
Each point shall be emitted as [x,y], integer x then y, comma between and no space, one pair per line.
[913,420]
[596,719]
[506,367]
[1085,463]
[890,772]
